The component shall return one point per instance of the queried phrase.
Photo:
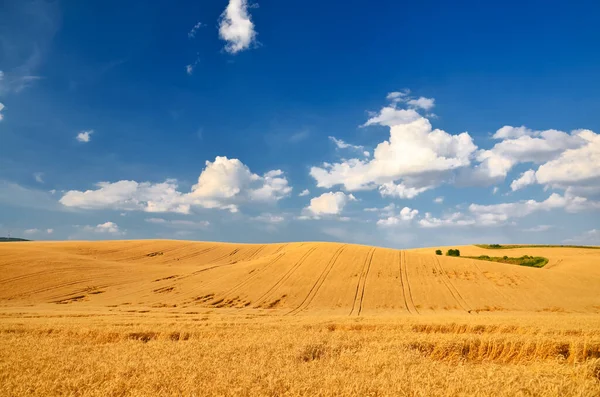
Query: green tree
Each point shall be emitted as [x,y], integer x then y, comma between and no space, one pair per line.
[438,252]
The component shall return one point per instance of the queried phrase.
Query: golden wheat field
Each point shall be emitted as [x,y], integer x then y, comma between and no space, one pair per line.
[194,318]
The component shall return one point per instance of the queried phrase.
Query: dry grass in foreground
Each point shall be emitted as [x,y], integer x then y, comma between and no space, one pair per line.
[271,357]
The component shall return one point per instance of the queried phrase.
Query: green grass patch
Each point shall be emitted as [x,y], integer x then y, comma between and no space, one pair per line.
[525,260]
[510,246]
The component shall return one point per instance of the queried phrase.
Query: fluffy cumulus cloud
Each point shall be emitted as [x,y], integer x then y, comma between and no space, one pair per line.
[400,190]
[403,217]
[527,178]
[576,166]
[506,213]
[422,103]
[105,228]
[417,158]
[454,219]
[415,154]
[223,184]
[236,27]
[523,145]
[84,136]
[500,213]
[329,203]
[303,193]
[129,196]
[1,108]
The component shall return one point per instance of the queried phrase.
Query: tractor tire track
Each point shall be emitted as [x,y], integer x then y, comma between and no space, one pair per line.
[253,275]
[451,288]
[504,296]
[362,294]
[262,247]
[285,276]
[406,284]
[402,281]
[317,285]
[362,277]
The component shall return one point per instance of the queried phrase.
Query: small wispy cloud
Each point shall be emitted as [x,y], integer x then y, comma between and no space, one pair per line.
[106,227]
[189,69]
[539,228]
[39,177]
[84,136]
[192,33]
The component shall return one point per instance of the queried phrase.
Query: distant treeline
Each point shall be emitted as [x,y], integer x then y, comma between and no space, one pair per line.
[509,246]
[9,239]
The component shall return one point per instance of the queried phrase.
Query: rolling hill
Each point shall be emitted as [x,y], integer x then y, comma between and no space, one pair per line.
[291,279]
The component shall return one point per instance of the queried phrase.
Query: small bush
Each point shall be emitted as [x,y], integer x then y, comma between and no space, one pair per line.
[495,246]
[505,257]
[438,252]
[453,252]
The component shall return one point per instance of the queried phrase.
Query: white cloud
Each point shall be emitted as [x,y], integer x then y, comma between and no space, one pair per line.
[106,227]
[390,116]
[539,228]
[49,231]
[31,231]
[268,218]
[84,136]
[527,178]
[303,193]
[509,132]
[39,177]
[130,196]
[495,190]
[1,107]
[398,96]
[236,27]
[422,103]
[404,216]
[400,190]
[224,184]
[574,166]
[438,200]
[415,153]
[500,213]
[192,33]
[455,219]
[340,144]
[178,223]
[386,211]
[275,187]
[591,237]
[522,145]
[329,203]
[189,69]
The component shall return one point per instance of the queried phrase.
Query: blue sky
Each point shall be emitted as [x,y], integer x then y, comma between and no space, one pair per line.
[395,124]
